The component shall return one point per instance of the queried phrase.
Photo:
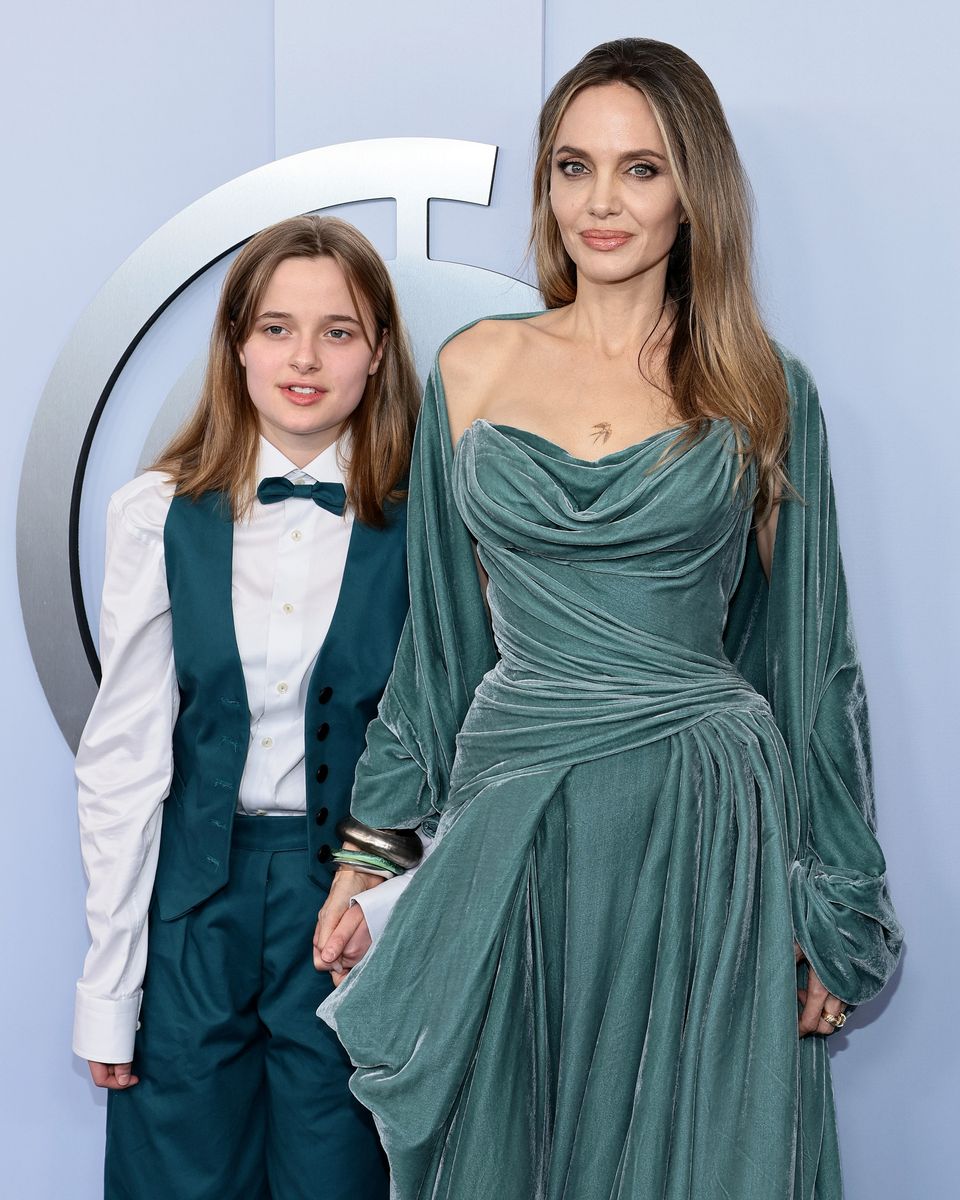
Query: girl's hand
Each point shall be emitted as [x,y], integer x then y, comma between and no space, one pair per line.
[815,1000]
[115,1076]
[348,943]
[346,884]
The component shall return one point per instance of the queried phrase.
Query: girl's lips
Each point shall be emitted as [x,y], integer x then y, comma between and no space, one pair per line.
[305,396]
[601,240]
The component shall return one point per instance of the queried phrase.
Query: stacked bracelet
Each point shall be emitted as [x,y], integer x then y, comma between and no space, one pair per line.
[372,863]
[399,847]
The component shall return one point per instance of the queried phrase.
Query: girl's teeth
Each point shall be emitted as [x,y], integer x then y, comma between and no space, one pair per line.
[301,391]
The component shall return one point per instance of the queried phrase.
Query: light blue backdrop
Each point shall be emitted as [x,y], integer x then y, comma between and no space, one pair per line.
[845,117]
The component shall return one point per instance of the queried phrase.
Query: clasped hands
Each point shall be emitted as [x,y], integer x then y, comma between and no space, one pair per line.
[341,937]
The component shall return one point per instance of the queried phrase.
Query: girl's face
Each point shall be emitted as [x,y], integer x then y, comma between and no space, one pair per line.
[611,190]
[306,359]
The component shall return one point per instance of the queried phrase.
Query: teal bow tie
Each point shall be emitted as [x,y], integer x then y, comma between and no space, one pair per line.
[331,496]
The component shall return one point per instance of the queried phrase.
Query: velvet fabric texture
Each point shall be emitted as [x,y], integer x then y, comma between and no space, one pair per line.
[650,774]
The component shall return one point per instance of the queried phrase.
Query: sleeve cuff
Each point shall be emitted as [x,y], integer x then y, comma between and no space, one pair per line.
[379,902]
[846,927]
[104,1030]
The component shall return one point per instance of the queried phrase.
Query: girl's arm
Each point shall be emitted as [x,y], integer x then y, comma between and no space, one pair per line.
[124,767]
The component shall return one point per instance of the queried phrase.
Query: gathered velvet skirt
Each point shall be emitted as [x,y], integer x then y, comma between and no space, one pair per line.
[620,1023]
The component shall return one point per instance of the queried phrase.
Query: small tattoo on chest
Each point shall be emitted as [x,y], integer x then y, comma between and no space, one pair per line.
[602,431]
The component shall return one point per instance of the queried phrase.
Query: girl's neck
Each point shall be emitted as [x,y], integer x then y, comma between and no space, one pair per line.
[301,451]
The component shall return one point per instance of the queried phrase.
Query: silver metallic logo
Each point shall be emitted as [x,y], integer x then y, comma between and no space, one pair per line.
[437,297]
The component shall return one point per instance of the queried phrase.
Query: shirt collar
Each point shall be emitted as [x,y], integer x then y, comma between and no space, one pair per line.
[327,467]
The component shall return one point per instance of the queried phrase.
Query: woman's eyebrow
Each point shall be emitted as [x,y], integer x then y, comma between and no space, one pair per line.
[626,154]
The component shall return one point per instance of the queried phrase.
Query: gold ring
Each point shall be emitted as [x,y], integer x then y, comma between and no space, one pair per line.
[837,1020]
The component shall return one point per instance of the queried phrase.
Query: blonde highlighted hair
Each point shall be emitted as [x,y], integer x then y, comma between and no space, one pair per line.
[721,361]
[217,448]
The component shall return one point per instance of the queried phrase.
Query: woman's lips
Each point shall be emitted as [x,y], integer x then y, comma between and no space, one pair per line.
[302,393]
[605,239]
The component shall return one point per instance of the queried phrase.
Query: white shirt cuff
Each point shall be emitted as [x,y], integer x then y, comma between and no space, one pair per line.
[377,903]
[104,1030]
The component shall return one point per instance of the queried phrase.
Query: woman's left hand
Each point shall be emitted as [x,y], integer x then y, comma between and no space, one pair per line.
[816,1001]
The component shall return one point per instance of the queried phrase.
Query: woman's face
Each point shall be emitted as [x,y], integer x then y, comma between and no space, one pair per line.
[306,359]
[611,190]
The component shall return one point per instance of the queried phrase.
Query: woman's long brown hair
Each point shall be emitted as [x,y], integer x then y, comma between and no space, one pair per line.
[721,361]
[216,450]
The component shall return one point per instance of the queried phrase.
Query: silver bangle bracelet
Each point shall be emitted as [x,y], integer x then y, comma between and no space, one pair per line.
[400,846]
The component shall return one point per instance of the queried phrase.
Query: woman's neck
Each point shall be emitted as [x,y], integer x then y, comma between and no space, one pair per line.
[613,319]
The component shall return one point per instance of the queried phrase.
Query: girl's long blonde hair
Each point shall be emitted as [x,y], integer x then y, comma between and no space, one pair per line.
[721,361]
[217,448]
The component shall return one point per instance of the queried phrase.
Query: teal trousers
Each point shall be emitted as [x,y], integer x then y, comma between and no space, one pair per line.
[243,1090]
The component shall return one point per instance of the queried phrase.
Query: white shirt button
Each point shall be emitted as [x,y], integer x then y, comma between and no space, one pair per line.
[266,742]
[283,688]
[296,535]
[288,609]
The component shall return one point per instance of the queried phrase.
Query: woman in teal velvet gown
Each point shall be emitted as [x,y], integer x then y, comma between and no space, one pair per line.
[639,733]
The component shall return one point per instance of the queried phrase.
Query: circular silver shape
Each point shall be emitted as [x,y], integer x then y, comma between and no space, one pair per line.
[437,297]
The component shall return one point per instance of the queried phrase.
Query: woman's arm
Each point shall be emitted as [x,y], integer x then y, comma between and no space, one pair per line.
[794,641]
[766,533]
[815,999]
[445,650]
[124,767]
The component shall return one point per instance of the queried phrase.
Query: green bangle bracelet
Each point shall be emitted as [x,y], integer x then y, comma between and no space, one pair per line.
[359,858]
[364,856]
[380,866]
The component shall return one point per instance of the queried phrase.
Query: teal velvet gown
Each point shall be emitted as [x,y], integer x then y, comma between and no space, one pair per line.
[649,774]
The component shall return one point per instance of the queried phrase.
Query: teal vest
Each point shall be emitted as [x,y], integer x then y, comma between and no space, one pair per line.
[212,732]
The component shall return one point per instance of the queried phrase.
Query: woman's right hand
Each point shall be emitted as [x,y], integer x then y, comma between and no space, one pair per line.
[115,1076]
[346,884]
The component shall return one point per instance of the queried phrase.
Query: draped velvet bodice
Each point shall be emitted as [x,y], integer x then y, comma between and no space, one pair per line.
[609,583]
[647,540]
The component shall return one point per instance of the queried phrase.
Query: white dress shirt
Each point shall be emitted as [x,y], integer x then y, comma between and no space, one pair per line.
[288,564]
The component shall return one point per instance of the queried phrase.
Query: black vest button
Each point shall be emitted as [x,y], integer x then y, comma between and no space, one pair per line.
[323,854]
[322,771]
[325,695]
[322,732]
[322,814]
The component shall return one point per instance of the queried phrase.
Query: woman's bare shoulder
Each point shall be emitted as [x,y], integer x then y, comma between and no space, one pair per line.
[482,344]
[475,363]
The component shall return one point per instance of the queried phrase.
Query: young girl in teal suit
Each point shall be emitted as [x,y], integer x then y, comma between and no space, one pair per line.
[254,594]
